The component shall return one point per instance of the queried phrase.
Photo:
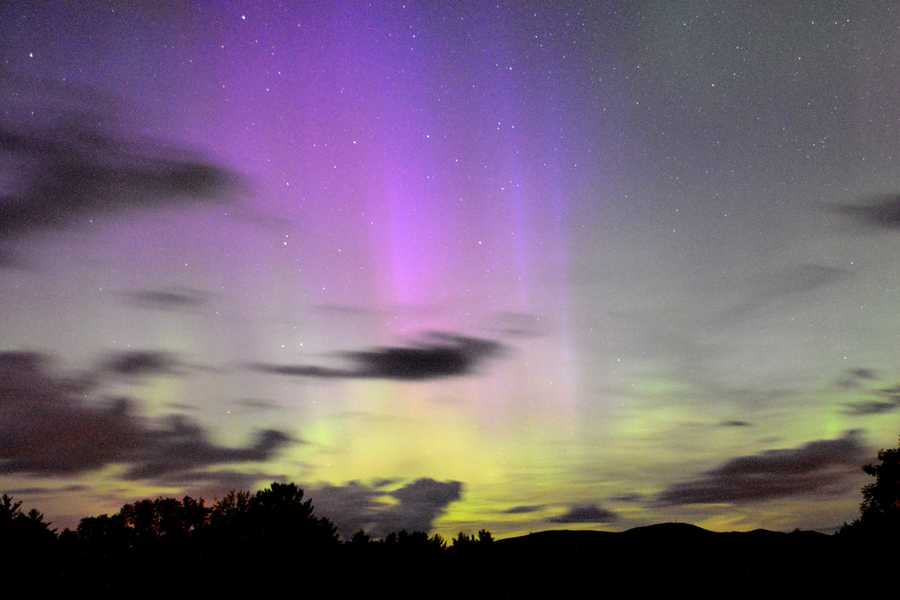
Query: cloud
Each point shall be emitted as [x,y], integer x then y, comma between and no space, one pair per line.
[628,497]
[893,393]
[802,278]
[49,428]
[856,378]
[445,355]
[46,428]
[351,507]
[257,404]
[170,299]
[524,509]
[181,445]
[77,169]
[421,502]
[881,212]
[80,164]
[138,363]
[791,281]
[356,506]
[585,513]
[870,407]
[385,482]
[819,467]
[42,491]
[890,401]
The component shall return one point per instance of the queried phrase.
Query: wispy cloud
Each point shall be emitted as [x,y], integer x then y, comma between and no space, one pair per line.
[819,467]
[881,212]
[524,509]
[585,513]
[138,363]
[788,282]
[444,355]
[80,166]
[167,299]
[48,428]
[356,506]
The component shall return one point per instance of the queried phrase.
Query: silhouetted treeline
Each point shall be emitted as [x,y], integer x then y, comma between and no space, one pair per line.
[273,534]
[273,539]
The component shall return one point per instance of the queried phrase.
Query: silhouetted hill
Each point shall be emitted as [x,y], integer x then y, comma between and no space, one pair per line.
[671,551]
[669,529]
[659,535]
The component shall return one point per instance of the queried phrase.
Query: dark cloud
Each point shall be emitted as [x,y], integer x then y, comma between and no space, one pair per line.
[892,393]
[870,407]
[77,169]
[351,507]
[139,363]
[856,378]
[258,404]
[629,497]
[735,423]
[356,506]
[585,513]
[172,299]
[385,482]
[524,509]
[819,467]
[181,445]
[421,502]
[308,371]
[881,212]
[48,427]
[890,401]
[79,164]
[41,491]
[444,355]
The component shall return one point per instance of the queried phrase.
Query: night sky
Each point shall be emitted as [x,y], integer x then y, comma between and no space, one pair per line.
[451,265]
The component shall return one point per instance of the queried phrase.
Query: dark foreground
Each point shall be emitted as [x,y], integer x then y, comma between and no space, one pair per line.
[272,542]
[648,560]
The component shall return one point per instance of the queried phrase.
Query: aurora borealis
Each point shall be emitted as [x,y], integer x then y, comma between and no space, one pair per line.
[509,265]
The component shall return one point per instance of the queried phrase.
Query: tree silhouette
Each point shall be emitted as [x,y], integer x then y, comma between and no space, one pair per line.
[27,543]
[361,538]
[881,499]
[880,508]
[18,527]
[165,520]
[280,514]
[230,519]
[485,537]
